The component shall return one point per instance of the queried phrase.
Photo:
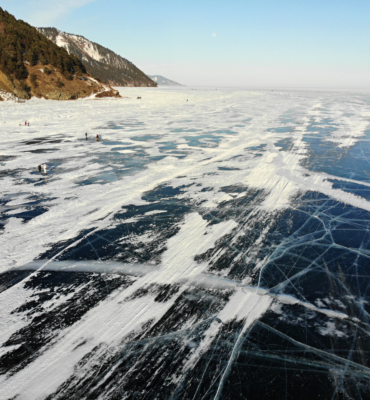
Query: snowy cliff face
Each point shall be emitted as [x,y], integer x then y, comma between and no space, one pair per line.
[162,81]
[99,61]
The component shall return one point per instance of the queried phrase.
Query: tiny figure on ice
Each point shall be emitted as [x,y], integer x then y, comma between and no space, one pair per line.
[39,168]
[45,169]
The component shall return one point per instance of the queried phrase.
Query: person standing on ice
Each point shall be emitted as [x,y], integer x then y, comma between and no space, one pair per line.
[25,123]
[86,135]
[97,138]
[39,168]
[45,169]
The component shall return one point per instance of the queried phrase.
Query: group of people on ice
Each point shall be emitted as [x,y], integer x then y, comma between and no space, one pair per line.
[97,137]
[44,166]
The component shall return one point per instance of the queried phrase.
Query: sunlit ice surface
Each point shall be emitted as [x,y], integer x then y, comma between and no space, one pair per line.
[214,244]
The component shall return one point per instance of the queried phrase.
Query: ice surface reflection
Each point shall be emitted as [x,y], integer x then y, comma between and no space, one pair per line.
[212,251]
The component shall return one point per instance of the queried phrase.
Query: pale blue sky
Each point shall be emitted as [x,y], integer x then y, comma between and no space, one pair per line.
[266,43]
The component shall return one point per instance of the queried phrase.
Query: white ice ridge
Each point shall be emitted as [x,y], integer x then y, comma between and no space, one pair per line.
[188,278]
[106,267]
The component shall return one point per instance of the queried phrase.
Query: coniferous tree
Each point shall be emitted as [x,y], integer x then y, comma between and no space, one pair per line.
[59,83]
[33,79]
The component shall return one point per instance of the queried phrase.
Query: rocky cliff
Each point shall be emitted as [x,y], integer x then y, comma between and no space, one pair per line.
[98,60]
[32,65]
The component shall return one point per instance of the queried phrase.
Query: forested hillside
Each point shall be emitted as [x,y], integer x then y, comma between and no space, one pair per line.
[23,51]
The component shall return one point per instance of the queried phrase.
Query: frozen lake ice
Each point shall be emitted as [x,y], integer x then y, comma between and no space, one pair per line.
[213,245]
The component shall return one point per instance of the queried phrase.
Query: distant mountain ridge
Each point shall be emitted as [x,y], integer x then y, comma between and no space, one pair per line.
[32,65]
[162,81]
[99,61]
